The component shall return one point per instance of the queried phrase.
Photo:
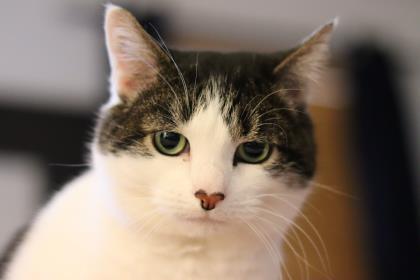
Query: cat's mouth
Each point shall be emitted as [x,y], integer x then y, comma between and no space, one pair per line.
[203,219]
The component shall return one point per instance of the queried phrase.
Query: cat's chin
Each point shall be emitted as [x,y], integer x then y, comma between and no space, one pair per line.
[204,220]
[199,226]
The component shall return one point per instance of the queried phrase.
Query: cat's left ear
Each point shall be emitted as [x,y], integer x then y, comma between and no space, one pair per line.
[305,66]
[135,57]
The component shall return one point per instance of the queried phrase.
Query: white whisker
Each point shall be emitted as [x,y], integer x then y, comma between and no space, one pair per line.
[311,225]
[267,245]
[302,258]
[302,248]
[301,230]
[333,190]
[184,84]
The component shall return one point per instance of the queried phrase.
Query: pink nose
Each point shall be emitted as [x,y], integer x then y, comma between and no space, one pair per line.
[208,202]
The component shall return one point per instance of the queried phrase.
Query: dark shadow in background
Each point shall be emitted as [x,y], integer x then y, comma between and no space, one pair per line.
[58,139]
[383,162]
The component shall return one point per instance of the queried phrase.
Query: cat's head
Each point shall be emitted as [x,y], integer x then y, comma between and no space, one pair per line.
[198,142]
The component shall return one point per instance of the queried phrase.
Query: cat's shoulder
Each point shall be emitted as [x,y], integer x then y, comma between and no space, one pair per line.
[72,198]
[56,219]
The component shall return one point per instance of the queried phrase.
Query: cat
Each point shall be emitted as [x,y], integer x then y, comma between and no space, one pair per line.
[199,163]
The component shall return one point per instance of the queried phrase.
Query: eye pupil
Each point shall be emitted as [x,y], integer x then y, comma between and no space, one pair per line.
[254,149]
[253,152]
[169,140]
[169,143]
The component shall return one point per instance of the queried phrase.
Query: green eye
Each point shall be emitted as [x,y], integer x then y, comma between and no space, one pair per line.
[253,152]
[169,143]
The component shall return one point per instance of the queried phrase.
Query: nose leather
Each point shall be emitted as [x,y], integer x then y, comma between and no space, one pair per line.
[208,202]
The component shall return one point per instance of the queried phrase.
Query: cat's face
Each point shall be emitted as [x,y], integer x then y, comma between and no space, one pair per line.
[199,143]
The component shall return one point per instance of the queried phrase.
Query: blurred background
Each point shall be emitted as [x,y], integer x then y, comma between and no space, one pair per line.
[363,216]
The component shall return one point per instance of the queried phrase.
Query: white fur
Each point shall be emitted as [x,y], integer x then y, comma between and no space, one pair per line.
[137,218]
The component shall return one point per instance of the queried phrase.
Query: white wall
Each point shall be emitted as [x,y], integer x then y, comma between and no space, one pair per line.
[46,58]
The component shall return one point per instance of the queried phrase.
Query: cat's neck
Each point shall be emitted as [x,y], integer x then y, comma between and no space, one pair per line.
[238,251]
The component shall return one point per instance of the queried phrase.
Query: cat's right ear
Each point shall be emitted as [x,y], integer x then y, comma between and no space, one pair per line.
[305,67]
[134,56]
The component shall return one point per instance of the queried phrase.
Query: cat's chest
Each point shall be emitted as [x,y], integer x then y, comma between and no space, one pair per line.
[188,269]
[191,261]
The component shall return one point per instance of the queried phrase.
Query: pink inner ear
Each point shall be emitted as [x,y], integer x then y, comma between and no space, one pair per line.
[127,84]
[133,54]
[132,80]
